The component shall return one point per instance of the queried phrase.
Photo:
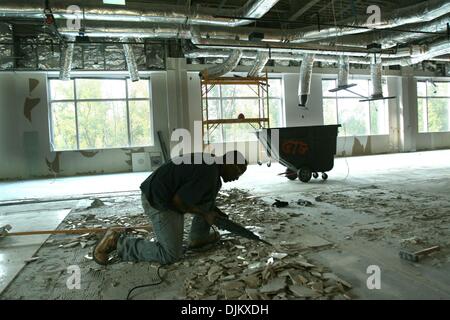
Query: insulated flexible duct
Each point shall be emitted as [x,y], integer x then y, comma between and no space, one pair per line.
[304,84]
[131,61]
[260,62]
[66,68]
[221,69]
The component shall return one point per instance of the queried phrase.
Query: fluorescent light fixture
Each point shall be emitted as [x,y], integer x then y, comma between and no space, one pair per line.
[117,2]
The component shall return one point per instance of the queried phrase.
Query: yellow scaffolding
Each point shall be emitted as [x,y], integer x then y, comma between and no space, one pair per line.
[262,93]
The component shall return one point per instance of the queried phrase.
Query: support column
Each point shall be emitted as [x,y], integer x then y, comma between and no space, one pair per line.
[407,100]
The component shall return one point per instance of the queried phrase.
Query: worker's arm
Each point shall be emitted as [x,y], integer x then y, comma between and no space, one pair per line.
[183,207]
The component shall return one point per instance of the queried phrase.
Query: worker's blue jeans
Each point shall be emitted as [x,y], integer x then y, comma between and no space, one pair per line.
[168,227]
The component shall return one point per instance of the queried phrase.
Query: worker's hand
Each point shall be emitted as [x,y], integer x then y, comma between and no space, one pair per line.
[210,217]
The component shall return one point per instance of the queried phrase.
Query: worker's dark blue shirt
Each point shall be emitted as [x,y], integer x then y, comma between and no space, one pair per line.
[196,184]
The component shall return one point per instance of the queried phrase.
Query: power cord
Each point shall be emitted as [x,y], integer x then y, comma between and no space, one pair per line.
[147,285]
[161,279]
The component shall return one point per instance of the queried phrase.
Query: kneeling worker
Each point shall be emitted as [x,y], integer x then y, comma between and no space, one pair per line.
[176,188]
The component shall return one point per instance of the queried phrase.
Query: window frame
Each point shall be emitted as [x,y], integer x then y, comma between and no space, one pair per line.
[76,101]
[368,120]
[426,98]
[261,99]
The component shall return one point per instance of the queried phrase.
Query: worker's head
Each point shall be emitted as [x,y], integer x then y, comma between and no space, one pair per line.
[233,166]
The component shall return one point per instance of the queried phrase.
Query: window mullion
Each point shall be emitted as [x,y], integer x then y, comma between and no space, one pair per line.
[426,107]
[76,113]
[128,113]
[221,113]
[337,109]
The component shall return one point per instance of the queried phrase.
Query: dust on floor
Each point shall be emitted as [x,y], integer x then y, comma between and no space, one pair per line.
[312,223]
[235,269]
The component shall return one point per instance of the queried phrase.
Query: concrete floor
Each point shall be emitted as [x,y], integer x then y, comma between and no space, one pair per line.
[358,218]
[60,188]
[14,251]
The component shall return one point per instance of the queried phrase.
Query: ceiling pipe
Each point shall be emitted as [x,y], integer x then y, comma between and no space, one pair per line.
[119,32]
[392,39]
[260,62]
[435,49]
[304,84]
[131,61]
[278,47]
[418,13]
[220,53]
[293,48]
[34,9]
[221,69]
[196,36]
[254,9]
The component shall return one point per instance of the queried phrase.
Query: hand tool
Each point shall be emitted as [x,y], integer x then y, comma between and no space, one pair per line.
[228,225]
[4,231]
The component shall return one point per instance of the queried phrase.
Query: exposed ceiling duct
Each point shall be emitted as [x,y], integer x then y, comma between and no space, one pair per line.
[376,76]
[217,38]
[418,13]
[176,15]
[226,44]
[376,72]
[131,61]
[343,66]
[392,39]
[426,11]
[207,43]
[158,31]
[222,53]
[260,62]
[276,47]
[304,84]
[221,69]
[67,59]
[343,69]
[435,49]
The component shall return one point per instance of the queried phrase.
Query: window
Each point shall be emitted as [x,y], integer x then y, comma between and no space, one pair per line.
[433,103]
[357,118]
[228,101]
[99,114]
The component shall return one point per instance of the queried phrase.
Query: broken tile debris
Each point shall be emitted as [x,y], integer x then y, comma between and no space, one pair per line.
[219,273]
[256,271]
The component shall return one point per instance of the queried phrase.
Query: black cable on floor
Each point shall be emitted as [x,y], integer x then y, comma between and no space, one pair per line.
[147,285]
[156,283]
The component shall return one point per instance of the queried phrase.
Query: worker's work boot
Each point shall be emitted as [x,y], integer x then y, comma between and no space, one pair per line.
[205,243]
[106,245]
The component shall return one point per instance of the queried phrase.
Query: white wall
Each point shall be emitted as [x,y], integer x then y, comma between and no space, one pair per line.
[312,115]
[25,148]
[402,112]
[10,153]
[296,116]
[176,101]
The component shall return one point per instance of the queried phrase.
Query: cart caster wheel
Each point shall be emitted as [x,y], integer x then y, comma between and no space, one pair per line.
[259,163]
[315,175]
[324,176]
[304,174]
[291,175]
